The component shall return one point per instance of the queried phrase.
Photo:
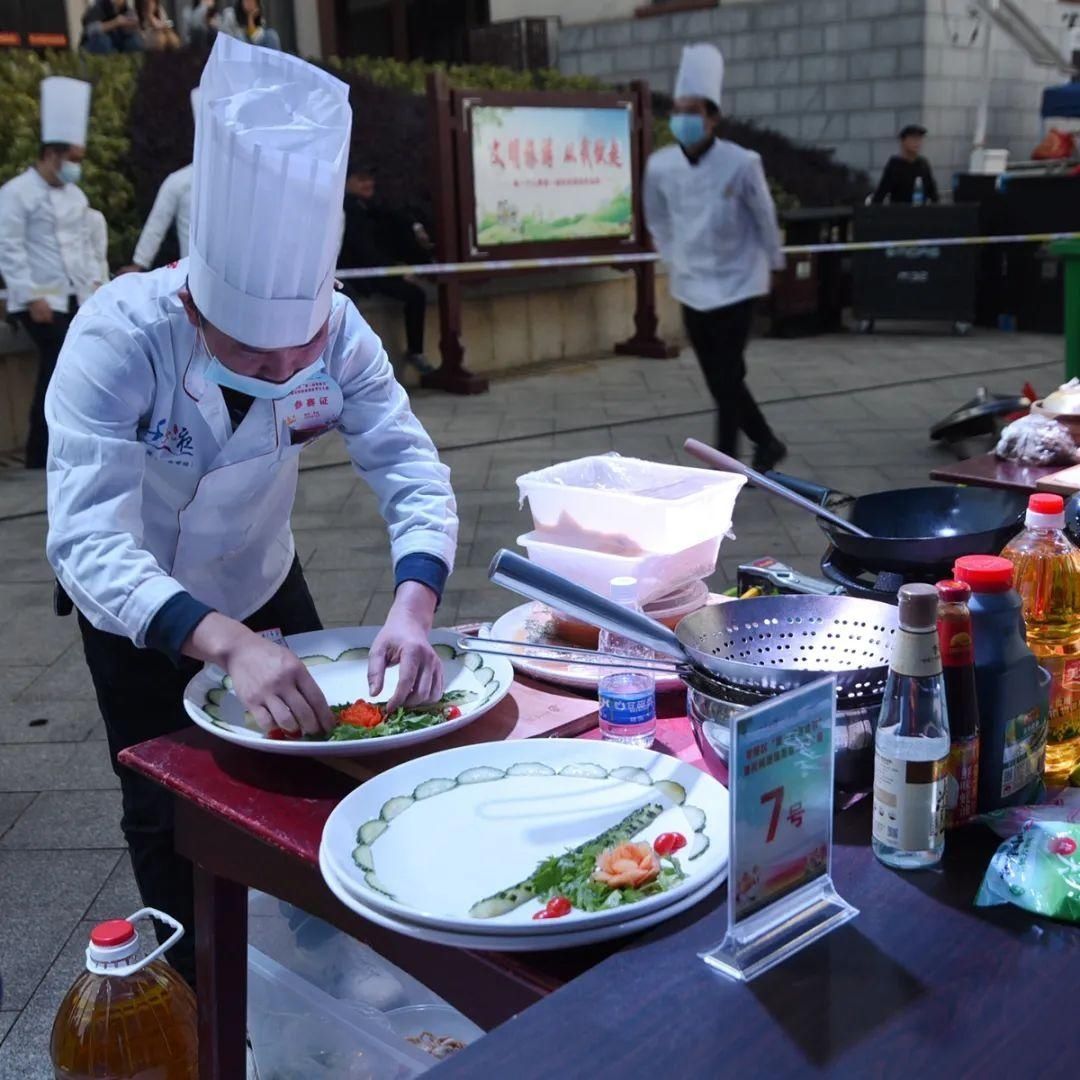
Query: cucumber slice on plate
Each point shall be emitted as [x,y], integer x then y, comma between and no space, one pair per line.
[696,816]
[585,769]
[699,846]
[354,654]
[393,807]
[435,786]
[675,792]
[632,775]
[370,831]
[482,774]
[374,883]
[473,660]
[445,652]
[213,711]
[227,682]
[216,695]
[484,675]
[362,857]
[315,661]
[530,768]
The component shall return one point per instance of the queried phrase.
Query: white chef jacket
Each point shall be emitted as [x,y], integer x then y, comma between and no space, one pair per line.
[713,223]
[44,241]
[97,256]
[150,491]
[173,203]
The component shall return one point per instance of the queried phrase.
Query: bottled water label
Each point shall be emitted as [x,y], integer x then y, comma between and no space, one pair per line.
[627,708]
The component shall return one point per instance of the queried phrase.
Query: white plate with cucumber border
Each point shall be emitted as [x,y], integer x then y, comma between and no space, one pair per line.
[591,935]
[436,840]
[337,660]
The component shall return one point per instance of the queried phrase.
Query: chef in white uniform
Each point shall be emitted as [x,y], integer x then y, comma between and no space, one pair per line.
[171,206]
[45,241]
[180,406]
[713,221]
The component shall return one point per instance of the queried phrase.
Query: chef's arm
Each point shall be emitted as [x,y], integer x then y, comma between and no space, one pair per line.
[161,217]
[759,201]
[657,216]
[14,264]
[103,384]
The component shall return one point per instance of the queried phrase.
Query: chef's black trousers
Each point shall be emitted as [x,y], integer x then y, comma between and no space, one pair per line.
[48,339]
[719,338]
[140,694]
[411,295]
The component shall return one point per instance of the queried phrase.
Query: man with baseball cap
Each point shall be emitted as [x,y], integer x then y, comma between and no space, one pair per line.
[908,172]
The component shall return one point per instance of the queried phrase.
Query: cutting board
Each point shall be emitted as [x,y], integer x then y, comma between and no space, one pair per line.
[1065,482]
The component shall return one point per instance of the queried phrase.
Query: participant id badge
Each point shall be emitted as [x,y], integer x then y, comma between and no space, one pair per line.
[312,409]
[780,891]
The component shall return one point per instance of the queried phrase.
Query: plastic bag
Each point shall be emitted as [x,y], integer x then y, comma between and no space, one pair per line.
[1061,804]
[1037,440]
[1037,870]
[1056,146]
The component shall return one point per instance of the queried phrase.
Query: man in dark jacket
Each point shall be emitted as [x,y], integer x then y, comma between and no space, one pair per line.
[111,26]
[377,236]
[905,170]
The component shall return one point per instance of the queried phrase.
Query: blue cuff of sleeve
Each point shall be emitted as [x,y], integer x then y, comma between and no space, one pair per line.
[173,624]
[429,570]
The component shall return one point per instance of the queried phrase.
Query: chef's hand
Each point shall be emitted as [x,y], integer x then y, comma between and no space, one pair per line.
[270,681]
[403,640]
[40,312]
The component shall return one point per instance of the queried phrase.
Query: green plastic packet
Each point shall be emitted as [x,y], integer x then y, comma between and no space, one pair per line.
[1038,869]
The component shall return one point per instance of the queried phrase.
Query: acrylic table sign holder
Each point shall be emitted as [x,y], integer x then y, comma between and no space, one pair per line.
[780,891]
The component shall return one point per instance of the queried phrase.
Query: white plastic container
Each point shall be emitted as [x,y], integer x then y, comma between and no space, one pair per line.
[628,506]
[656,574]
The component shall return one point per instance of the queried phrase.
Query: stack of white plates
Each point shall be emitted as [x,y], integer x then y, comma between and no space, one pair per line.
[417,847]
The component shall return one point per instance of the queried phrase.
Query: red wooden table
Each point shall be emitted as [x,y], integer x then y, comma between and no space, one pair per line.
[988,470]
[920,982]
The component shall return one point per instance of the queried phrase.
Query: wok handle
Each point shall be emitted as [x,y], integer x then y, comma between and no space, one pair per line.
[719,460]
[525,578]
[816,492]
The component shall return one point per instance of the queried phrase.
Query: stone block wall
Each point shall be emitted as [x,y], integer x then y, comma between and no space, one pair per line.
[846,74]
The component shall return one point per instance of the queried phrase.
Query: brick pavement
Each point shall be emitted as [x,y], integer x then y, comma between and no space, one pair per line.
[61,859]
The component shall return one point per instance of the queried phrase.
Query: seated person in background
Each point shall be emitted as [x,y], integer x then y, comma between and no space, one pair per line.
[111,26]
[904,169]
[201,23]
[157,27]
[378,236]
[244,20]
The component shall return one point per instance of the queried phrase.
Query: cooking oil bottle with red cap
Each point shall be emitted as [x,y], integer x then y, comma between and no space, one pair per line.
[1011,688]
[126,1018]
[1048,581]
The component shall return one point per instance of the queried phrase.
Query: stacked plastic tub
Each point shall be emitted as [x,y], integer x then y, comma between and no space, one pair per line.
[599,518]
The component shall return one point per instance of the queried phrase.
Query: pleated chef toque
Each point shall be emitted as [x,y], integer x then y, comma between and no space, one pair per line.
[271,149]
[65,110]
[701,73]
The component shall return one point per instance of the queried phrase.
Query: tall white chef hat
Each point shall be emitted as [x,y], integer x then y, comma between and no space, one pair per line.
[701,73]
[271,149]
[65,110]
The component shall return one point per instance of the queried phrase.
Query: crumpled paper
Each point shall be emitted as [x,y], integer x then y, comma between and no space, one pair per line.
[1035,440]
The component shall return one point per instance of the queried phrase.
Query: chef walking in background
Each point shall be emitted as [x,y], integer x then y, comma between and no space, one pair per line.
[713,222]
[45,240]
[172,206]
[180,406]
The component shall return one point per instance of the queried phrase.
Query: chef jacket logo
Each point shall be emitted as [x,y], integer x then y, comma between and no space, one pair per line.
[171,442]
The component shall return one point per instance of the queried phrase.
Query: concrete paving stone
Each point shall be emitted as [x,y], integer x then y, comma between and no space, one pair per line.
[27,636]
[88,768]
[6,1020]
[25,1051]
[66,721]
[12,804]
[68,821]
[32,766]
[15,679]
[64,680]
[119,896]
[43,895]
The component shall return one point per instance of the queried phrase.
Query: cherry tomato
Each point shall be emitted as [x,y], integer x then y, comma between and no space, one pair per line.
[453,712]
[556,908]
[668,843]
[281,735]
[1063,845]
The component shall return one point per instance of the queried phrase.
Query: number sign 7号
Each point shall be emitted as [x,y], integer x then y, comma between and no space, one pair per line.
[776,797]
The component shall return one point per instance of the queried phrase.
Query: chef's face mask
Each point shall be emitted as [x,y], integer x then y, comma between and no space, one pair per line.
[688,128]
[218,373]
[70,172]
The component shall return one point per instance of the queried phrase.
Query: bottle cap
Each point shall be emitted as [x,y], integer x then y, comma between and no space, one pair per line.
[1045,512]
[918,607]
[624,590]
[984,573]
[113,941]
[953,592]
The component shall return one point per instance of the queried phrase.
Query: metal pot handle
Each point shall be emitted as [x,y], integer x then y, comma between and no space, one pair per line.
[525,578]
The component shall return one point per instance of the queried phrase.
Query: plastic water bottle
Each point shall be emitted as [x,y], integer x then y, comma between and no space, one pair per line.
[125,1017]
[912,744]
[627,698]
[918,196]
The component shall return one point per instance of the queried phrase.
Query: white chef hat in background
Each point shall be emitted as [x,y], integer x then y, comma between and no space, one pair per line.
[65,110]
[701,73]
[271,152]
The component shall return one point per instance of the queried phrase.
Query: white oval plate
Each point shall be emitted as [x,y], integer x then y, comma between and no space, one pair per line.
[427,839]
[337,661]
[508,942]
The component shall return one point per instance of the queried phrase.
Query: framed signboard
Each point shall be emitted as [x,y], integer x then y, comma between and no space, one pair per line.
[549,174]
